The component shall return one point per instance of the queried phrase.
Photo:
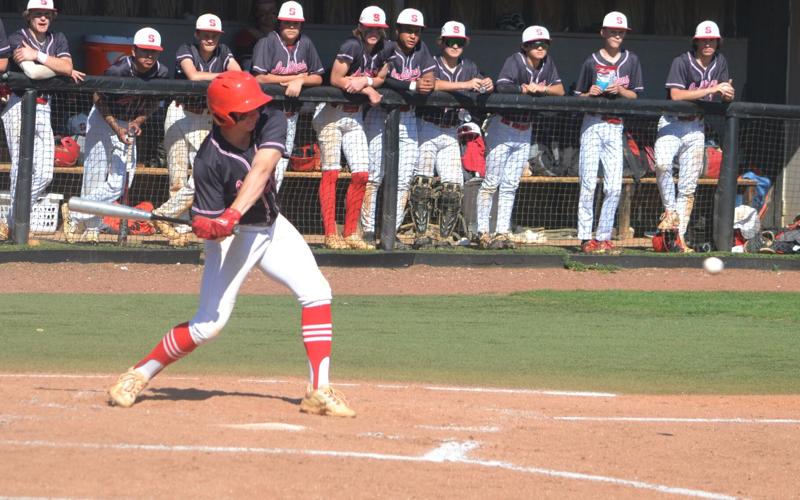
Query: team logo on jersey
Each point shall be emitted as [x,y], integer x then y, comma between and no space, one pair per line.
[704,84]
[406,75]
[293,68]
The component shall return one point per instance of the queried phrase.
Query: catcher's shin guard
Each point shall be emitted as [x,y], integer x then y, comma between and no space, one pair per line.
[450,199]
[421,195]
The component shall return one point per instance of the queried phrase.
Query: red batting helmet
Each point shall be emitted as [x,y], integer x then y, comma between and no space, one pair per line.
[67,152]
[234,92]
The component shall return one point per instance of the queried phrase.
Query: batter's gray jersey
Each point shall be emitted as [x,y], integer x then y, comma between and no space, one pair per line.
[516,71]
[686,74]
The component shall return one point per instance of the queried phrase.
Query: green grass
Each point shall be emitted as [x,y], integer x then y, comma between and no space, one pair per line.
[700,343]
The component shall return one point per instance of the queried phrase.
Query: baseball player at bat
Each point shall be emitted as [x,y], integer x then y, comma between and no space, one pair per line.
[508,137]
[439,149]
[289,58]
[357,69]
[235,184]
[410,68]
[699,74]
[115,121]
[187,122]
[614,73]
[39,53]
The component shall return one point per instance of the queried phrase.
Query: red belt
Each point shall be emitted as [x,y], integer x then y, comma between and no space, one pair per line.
[347,108]
[518,126]
[41,100]
[616,120]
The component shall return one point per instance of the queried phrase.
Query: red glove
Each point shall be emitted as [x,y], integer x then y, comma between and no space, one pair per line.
[214,229]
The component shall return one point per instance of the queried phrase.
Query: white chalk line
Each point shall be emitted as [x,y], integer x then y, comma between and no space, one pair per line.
[488,390]
[679,420]
[266,426]
[450,452]
[481,428]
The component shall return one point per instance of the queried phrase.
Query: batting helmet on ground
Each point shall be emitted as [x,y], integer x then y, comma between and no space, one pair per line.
[234,92]
[305,158]
[67,152]
[667,241]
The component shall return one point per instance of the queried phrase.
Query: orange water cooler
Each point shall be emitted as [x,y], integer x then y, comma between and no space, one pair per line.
[101,51]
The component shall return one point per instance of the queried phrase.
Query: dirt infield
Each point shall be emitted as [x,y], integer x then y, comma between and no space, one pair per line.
[212,437]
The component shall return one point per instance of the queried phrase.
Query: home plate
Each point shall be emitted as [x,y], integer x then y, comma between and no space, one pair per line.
[267,426]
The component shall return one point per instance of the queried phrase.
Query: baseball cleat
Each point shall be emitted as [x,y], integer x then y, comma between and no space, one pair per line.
[592,246]
[609,247]
[3,231]
[325,401]
[501,241]
[335,242]
[357,243]
[128,387]
[484,241]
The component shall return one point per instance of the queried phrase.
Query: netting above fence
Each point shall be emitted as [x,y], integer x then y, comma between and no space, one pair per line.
[578,169]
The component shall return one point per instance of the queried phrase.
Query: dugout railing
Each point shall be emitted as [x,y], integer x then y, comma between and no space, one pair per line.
[546,202]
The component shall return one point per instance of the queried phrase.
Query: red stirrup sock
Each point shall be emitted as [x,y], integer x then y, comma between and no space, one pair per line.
[317,334]
[327,200]
[175,345]
[353,202]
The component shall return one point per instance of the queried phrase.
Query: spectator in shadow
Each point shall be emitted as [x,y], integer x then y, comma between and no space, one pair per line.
[264,15]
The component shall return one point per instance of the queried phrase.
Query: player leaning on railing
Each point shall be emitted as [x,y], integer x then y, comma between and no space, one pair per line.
[40,54]
[234,181]
[188,122]
[289,58]
[699,74]
[114,123]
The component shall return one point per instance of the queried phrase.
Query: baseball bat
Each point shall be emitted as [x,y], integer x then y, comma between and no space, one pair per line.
[123,223]
[122,211]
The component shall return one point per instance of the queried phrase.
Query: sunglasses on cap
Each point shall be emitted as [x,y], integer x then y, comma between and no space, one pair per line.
[454,42]
[539,44]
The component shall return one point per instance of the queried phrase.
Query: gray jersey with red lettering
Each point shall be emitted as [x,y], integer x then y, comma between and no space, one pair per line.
[361,63]
[5,48]
[217,63]
[220,168]
[54,44]
[516,71]
[686,74]
[464,71]
[272,56]
[410,67]
[625,72]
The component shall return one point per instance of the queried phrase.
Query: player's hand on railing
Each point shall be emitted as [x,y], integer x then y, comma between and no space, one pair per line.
[293,87]
[356,84]
[488,85]
[595,91]
[374,97]
[612,89]
[77,76]
[215,229]
[475,85]
[425,85]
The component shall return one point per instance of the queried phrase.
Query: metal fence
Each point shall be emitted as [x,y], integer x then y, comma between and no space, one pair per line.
[749,137]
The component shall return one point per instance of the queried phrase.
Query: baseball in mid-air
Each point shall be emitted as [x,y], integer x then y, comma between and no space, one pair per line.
[713,265]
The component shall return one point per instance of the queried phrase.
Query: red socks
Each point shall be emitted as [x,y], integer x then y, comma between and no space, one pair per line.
[353,202]
[317,333]
[327,200]
[175,345]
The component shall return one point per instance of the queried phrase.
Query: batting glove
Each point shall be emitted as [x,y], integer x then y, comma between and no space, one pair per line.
[214,229]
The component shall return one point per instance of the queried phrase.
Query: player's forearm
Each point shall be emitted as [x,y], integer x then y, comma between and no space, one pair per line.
[446,86]
[60,65]
[688,95]
[201,76]
[628,94]
[3,65]
[268,78]
[557,89]
[312,80]
[399,85]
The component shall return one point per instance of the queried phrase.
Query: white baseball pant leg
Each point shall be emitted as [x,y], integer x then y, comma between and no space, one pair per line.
[686,139]
[105,166]
[439,151]
[278,250]
[600,141]
[374,124]
[336,131]
[283,163]
[409,154]
[509,149]
[43,149]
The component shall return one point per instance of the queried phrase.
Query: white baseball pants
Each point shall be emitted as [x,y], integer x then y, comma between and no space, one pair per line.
[439,150]
[291,132]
